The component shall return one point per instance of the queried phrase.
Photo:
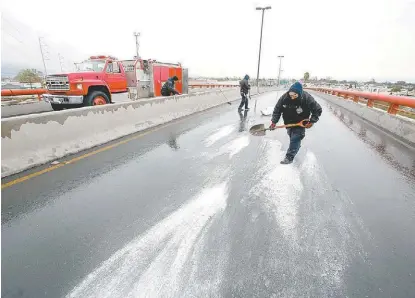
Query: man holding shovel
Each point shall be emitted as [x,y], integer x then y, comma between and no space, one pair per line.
[295,106]
[245,87]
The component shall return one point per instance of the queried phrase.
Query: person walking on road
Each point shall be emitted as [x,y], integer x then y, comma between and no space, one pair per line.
[168,87]
[294,106]
[245,87]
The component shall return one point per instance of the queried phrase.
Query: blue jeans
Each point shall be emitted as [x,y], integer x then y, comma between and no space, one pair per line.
[244,101]
[296,134]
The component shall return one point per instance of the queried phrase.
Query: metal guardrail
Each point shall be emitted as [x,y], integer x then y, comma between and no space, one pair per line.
[211,86]
[389,103]
[19,92]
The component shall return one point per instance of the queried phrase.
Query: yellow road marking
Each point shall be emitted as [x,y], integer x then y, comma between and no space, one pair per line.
[78,158]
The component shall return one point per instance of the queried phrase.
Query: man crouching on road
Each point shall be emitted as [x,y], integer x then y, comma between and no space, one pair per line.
[168,87]
[295,105]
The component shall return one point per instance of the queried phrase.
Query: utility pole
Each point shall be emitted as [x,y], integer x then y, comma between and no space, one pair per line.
[279,70]
[44,54]
[260,43]
[137,44]
[61,61]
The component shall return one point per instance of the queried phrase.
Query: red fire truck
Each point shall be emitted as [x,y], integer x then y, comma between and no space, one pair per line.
[100,77]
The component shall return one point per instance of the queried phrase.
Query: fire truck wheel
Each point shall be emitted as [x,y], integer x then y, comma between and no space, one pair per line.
[96,98]
[57,107]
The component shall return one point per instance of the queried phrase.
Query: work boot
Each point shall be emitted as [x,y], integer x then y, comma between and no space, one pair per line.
[286,161]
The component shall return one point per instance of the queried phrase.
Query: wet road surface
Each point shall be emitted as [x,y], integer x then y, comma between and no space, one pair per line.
[202,209]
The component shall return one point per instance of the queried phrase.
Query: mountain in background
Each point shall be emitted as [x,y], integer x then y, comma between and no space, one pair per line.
[9,71]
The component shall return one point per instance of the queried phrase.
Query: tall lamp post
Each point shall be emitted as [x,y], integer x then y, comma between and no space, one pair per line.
[260,43]
[137,44]
[279,70]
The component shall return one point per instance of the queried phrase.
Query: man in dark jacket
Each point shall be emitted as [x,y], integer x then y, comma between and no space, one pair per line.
[294,106]
[244,84]
[168,87]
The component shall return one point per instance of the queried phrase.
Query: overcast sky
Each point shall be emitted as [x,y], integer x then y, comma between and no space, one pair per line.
[354,39]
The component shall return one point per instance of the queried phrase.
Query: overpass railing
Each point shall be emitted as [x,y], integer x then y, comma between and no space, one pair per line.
[20,92]
[392,104]
[212,86]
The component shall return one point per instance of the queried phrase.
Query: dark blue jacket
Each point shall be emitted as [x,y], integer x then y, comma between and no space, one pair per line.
[168,88]
[244,84]
[293,111]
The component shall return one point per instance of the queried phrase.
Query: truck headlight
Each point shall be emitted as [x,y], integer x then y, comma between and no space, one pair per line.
[79,86]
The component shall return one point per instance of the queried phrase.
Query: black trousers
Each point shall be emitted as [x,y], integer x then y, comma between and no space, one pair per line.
[167,93]
[244,101]
[296,135]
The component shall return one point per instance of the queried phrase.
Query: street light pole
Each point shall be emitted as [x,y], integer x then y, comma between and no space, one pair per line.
[279,70]
[60,61]
[137,44]
[260,44]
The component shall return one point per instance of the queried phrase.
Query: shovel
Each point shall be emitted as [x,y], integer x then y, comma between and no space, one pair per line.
[259,129]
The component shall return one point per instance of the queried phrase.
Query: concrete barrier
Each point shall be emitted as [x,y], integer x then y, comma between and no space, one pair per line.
[400,127]
[32,140]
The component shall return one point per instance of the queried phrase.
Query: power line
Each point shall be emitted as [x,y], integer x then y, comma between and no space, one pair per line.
[61,61]
[44,53]
[11,35]
[7,21]
[23,49]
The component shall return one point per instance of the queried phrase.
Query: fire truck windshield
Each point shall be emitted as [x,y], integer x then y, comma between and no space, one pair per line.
[91,65]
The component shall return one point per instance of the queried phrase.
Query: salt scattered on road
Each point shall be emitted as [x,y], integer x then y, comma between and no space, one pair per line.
[153,265]
[220,134]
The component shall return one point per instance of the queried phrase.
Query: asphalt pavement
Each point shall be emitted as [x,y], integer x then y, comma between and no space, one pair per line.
[200,208]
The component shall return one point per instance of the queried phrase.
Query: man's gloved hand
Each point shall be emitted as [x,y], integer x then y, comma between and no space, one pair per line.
[272,126]
[307,123]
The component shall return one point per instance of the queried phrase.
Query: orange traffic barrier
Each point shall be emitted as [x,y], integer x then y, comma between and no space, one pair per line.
[394,101]
[17,92]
